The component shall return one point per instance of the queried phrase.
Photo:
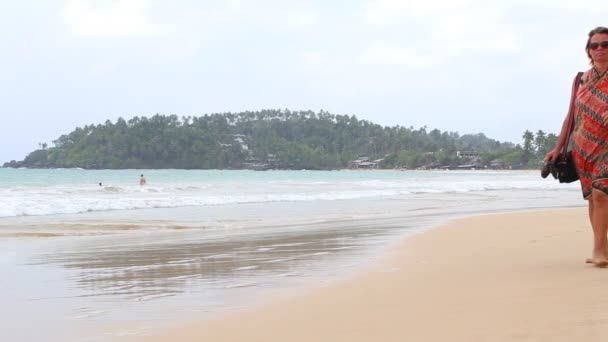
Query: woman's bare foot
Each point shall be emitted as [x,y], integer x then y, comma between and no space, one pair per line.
[598,259]
[600,262]
[590,260]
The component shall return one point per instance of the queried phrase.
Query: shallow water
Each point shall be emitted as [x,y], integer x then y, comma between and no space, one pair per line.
[104,274]
[25,192]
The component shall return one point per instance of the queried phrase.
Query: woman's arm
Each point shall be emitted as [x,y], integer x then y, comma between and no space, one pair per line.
[552,155]
[561,141]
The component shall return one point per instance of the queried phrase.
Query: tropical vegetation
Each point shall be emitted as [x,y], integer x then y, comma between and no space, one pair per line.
[275,139]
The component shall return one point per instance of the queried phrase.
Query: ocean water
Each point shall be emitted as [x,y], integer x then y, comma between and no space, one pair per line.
[29,192]
[85,262]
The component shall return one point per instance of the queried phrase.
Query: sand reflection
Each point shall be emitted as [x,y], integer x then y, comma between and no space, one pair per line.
[143,267]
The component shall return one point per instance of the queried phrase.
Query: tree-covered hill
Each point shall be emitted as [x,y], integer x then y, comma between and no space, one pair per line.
[266,138]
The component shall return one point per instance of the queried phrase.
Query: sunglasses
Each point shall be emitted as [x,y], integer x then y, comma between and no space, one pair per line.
[595,46]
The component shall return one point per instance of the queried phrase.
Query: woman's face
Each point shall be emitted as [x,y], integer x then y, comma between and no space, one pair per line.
[598,48]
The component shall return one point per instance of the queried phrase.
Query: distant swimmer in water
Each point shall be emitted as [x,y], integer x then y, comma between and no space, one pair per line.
[142,180]
[100,184]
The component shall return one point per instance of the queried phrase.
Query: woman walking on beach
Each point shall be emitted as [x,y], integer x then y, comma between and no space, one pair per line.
[590,141]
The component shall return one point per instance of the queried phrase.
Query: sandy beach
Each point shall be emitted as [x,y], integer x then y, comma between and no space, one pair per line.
[499,277]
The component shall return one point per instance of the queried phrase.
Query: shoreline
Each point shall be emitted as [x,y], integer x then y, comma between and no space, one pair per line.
[516,276]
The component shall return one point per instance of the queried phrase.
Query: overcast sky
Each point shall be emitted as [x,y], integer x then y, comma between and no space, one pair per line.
[468,66]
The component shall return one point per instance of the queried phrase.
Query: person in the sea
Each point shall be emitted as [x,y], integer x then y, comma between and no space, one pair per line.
[590,141]
[142,180]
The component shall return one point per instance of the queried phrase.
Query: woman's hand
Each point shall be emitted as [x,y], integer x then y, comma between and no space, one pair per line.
[552,155]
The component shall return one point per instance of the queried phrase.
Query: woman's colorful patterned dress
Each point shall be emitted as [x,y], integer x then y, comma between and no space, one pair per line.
[590,135]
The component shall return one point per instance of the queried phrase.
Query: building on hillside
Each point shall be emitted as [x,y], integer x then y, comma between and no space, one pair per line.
[470,167]
[497,164]
[467,154]
[364,163]
[240,139]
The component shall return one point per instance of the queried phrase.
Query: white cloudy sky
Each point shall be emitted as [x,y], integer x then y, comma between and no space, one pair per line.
[457,65]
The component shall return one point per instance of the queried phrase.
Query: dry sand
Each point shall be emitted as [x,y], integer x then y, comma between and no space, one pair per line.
[504,277]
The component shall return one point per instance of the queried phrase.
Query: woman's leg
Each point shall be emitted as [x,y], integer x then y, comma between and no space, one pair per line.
[590,203]
[598,214]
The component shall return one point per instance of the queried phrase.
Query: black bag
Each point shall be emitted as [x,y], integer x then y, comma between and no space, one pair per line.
[563,169]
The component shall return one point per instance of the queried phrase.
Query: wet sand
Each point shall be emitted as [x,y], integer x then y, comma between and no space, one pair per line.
[103,276]
[499,277]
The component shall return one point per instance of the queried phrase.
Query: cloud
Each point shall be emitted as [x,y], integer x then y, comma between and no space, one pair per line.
[301,18]
[393,54]
[423,34]
[103,67]
[110,20]
[314,61]
[385,13]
